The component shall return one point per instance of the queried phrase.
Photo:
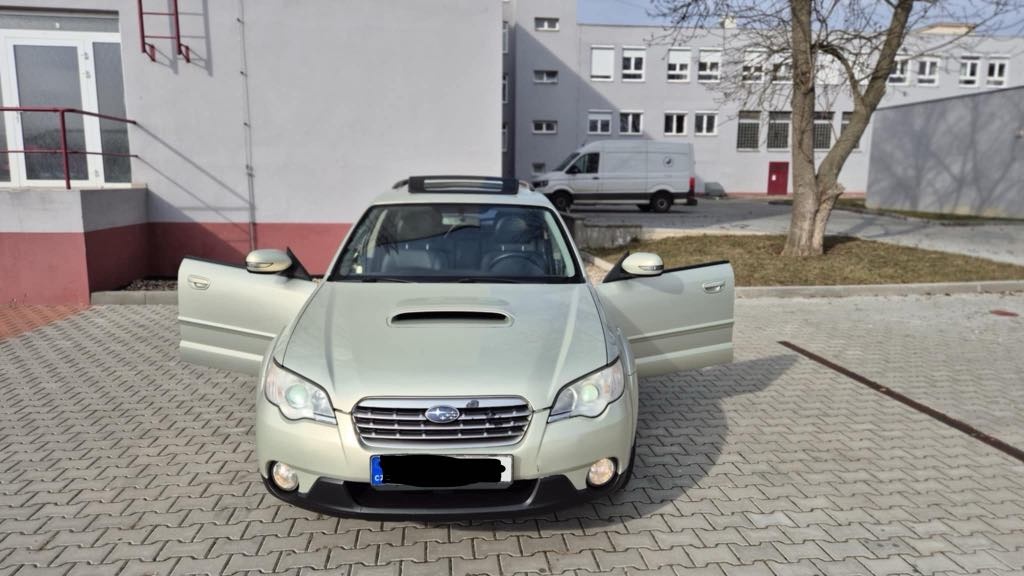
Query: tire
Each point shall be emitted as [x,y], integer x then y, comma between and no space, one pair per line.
[562,201]
[661,202]
[644,207]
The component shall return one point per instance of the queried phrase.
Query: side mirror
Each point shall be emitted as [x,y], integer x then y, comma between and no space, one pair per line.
[574,169]
[267,261]
[643,264]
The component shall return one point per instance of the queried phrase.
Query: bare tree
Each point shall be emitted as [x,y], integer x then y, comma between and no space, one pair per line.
[807,51]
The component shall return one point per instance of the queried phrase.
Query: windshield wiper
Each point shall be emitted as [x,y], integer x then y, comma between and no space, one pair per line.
[386,279]
[486,279]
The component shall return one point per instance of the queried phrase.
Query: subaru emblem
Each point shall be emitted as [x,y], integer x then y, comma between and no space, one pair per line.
[442,414]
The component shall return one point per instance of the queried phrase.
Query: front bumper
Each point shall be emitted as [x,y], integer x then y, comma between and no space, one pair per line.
[523,498]
[550,466]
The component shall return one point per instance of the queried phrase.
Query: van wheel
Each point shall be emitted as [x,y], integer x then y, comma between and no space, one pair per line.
[661,202]
[644,207]
[562,201]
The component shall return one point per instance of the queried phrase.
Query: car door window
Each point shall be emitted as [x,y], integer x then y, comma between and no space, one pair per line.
[588,163]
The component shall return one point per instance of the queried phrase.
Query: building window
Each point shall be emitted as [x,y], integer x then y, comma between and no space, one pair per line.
[633,64]
[705,123]
[778,130]
[631,123]
[928,72]
[545,24]
[545,76]
[545,127]
[753,66]
[504,136]
[602,63]
[844,125]
[748,130]
[969,70]
[678,65]
[996,72]
[709,66]
[504,88]
[504,37]
[822,130]
[782,69]
[599,122]
[900,72]
[675,123]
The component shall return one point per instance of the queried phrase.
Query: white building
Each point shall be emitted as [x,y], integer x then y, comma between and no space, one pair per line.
[568,83]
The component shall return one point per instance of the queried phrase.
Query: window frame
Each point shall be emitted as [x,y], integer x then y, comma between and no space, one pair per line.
[697,125]
[675,114]
[917,72]
[688,63]
[789,131]
[602,48]
[553,123]
[895,79]
[504,88]
[781,61]
[537,20]
[504,137]
[976,60]
[639,113]
[610,117]
[642,72]
[1005,78]
[740,121]
[763,54]
[505,26]
[826,118]
[718,73]
[545,80]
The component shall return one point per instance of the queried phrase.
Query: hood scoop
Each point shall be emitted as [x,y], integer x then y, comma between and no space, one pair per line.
[442,317]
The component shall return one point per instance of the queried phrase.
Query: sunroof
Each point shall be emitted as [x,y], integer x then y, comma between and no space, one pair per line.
[462,185]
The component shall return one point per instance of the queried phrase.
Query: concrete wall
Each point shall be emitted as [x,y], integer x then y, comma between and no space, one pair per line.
[962,155]
[345,97]
[718,160]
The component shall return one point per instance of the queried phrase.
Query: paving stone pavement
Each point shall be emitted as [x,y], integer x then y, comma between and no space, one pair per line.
[119,459]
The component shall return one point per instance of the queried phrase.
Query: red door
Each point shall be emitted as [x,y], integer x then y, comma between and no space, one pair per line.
[778,178]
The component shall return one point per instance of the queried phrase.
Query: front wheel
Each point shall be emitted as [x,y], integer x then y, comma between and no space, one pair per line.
[562,201]
[661,202]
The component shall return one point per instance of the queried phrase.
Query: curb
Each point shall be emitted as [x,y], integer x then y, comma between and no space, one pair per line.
[134,297]
[170,297]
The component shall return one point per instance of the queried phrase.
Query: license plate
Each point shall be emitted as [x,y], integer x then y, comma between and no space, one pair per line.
[434,471]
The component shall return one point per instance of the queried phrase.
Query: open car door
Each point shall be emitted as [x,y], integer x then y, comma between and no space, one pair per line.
[681,319]
[228,315]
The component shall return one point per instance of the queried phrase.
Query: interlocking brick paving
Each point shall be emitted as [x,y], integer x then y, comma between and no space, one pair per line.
[119,459]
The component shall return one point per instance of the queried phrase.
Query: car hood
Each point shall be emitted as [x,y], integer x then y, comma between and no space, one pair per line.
[361,340]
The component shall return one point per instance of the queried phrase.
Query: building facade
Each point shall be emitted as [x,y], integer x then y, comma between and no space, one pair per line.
[572,83]
[271,125]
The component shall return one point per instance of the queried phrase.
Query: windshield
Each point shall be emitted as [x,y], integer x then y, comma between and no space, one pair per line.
[565,163]
[458,243]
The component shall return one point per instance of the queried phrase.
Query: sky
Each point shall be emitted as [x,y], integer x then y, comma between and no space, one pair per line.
[615,12]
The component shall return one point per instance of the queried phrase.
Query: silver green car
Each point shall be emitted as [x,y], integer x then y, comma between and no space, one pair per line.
[455,361]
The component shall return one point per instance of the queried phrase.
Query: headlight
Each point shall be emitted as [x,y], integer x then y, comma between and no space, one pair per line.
[590,395]
[298,399]
[540,183]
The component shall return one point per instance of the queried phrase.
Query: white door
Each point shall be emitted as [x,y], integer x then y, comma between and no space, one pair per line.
[51,72]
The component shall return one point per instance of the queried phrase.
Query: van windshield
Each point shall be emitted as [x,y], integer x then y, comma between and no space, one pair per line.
[483,243]
[565,163]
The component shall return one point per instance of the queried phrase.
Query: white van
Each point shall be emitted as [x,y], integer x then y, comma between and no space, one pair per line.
[656,174]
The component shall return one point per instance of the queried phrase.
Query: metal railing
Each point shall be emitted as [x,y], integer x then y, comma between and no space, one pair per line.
[64,151]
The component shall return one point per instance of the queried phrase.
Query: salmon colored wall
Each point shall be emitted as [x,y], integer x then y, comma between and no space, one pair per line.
[43,268]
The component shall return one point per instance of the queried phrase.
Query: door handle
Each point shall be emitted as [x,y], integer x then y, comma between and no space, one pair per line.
[713,287]
[198,282]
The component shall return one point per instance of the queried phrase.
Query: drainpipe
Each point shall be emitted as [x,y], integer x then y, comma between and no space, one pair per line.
[250,175]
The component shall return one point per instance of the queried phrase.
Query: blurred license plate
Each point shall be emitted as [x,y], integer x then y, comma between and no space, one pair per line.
[433,471]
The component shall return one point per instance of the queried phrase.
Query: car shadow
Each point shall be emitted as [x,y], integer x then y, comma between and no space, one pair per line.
[681,435]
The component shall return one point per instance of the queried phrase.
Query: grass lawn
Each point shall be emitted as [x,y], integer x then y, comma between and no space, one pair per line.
[858,205]
[756,261]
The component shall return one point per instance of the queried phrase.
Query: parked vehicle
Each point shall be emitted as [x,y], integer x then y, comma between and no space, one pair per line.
[656,173]
[455,361]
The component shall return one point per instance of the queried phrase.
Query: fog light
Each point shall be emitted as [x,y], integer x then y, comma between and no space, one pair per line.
[601,472]
[284,477]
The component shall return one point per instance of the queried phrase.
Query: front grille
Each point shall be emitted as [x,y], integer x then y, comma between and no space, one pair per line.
[485,421]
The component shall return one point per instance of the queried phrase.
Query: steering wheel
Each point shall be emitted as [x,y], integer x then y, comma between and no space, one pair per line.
[519,255]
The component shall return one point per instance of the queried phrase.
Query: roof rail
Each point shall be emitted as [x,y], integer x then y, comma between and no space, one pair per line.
[459,185]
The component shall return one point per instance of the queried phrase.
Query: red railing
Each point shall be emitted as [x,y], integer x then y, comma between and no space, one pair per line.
[148,48]
[63,150]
